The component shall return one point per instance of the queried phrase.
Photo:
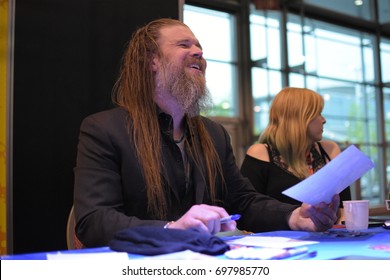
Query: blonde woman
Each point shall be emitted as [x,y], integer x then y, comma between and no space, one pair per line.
[290,148]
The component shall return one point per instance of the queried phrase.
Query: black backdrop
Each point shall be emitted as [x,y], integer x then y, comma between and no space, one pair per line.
[67,56]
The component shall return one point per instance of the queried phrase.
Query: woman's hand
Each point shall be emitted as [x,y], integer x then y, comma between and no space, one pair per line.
[319,217]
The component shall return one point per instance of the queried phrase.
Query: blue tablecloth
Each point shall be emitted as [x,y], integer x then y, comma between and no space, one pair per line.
[373,243]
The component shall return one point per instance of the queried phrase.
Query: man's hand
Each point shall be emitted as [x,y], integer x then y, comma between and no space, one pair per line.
[204,218]
[315,218]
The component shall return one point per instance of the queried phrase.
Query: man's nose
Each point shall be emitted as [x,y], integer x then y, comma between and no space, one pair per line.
[197,52]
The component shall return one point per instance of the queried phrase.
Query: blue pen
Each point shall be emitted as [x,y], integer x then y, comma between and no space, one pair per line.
[234,217]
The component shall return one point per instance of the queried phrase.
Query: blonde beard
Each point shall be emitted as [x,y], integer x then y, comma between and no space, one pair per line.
[190,91]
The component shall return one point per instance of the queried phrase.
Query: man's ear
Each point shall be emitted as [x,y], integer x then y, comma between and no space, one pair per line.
[154,64]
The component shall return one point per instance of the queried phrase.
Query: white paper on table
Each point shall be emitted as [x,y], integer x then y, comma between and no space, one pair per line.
[270,242]
[182,255]
[333,178]
[119,256]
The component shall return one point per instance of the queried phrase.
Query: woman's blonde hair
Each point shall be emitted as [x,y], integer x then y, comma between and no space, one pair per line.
[134,91]
[291,112]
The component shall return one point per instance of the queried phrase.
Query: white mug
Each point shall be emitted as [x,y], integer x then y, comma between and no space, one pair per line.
[356,214]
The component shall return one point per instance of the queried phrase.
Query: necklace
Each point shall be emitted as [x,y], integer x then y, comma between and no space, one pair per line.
[180,140]
[309,163]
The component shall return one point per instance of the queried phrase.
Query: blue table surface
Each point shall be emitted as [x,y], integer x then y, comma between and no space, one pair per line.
[373,243]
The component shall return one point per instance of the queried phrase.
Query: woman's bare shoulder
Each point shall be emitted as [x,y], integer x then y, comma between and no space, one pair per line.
[258,151]
[331,148]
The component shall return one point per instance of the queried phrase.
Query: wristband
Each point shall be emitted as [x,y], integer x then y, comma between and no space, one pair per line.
[168,224]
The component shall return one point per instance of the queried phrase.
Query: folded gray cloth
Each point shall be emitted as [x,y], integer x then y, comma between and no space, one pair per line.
[152,241]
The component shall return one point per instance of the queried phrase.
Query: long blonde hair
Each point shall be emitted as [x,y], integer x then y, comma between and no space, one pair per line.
[291,112]
[134,91]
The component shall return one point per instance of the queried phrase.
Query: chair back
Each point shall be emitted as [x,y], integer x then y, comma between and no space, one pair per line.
[72,242]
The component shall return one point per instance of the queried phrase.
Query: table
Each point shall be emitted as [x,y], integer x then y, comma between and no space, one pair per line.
[336,243]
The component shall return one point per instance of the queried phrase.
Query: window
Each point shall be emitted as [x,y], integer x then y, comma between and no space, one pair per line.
[334,61]
[385,60]
[356,8]
[267,64]
[384,11]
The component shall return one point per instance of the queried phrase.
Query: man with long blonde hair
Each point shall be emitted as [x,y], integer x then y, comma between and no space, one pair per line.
[154,160]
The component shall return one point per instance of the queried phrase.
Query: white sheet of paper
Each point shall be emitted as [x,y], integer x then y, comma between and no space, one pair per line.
[119,256]
[182,255]
[270,242]
[333,178]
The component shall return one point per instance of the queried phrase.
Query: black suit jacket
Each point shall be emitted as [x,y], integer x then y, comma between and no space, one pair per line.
[110,193]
